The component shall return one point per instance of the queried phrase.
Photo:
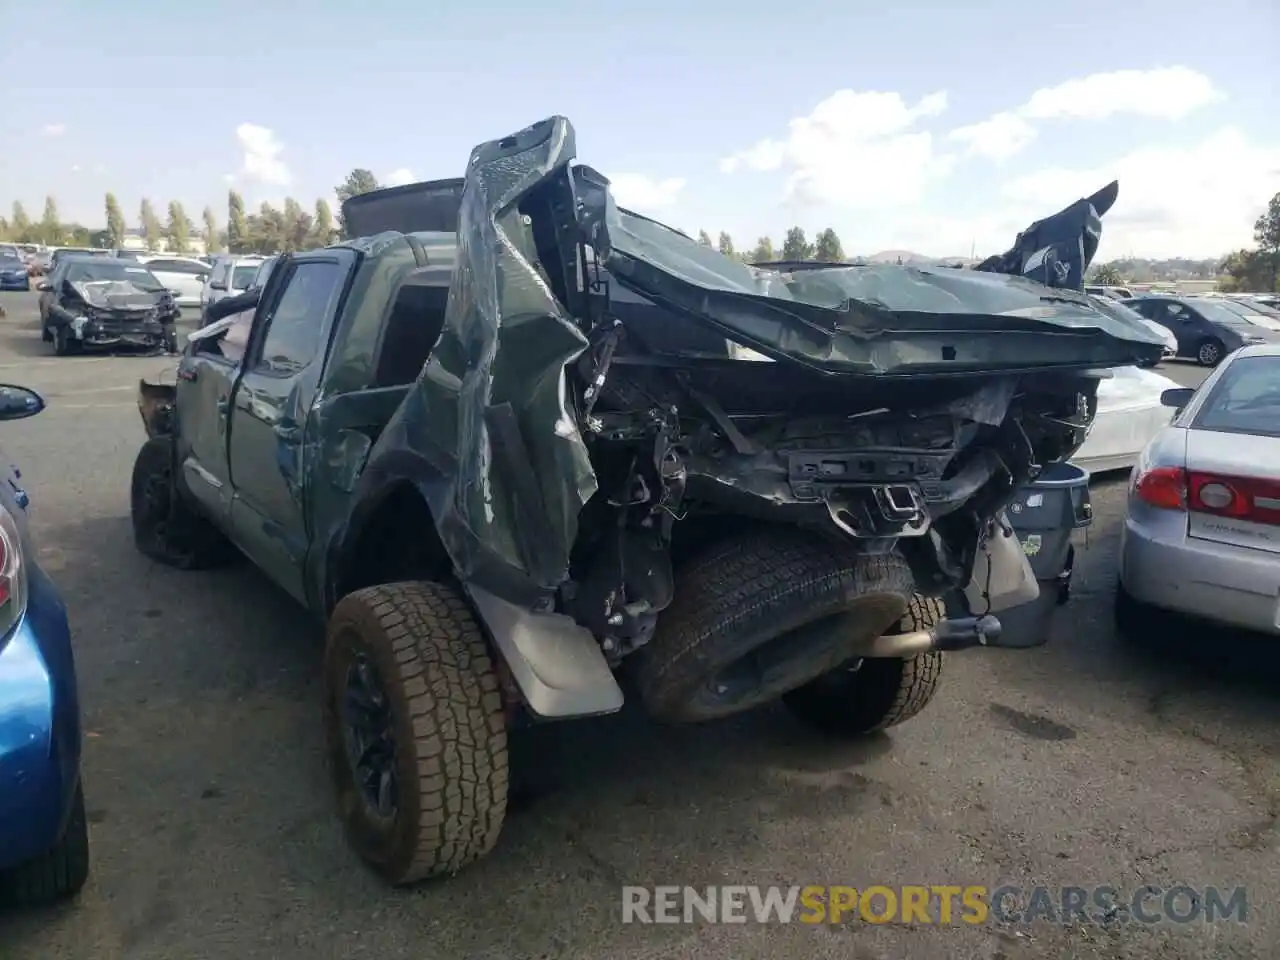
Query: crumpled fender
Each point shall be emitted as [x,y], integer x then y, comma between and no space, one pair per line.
[491,407]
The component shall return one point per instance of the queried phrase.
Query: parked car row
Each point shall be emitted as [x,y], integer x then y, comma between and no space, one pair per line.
[1207,328]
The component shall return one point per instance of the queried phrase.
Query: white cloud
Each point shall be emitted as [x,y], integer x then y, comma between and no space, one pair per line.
[998,137]
[262,155]
[53,129]
[642,194]
[1197,200]
[1166,93]
[856,149]
[398,178]
[75,168]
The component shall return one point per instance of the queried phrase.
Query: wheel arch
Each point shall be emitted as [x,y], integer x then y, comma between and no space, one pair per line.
[390,533]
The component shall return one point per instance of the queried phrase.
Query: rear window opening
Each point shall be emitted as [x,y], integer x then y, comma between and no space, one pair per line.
[1246,400]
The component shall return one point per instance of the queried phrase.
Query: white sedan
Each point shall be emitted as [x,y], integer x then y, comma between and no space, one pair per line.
[185,276]
[1202,534]
[1129,415]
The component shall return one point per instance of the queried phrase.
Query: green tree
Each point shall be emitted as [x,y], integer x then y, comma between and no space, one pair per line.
[323,230]
[6,233]
[178,230]
[827,247]
[1245,271]
[20,223]
[1108,275]
[725,245]
[297,226]
[212,242]
[237,225]
[796,246]
[763,251]
[268,232]
[704,238]
[1266,233]
[50,225]
[358,181]
[115,222]
[152,228]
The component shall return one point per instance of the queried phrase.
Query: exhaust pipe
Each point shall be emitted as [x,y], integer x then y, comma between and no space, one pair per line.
[959,633]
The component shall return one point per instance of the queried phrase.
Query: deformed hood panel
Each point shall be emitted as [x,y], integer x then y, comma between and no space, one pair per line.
[880,318]
[115,295]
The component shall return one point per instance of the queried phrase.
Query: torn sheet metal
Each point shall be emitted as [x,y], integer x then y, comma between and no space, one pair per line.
[492,413]
[867,319]
[492,406]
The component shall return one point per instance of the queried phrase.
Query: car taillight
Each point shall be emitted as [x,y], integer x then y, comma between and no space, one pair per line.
[1244,498]
[1163,487]
[13,573]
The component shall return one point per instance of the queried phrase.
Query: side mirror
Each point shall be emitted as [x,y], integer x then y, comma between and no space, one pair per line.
[217,285]
[175,293]
[18,403]
[202,277]
[1178,397]
[44,286]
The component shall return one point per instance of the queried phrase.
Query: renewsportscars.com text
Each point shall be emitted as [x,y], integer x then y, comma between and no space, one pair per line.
[933,904]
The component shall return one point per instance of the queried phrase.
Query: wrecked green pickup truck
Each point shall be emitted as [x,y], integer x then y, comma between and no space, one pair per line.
[515,436]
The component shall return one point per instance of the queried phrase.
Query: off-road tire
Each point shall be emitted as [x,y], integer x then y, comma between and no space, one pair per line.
[861,697]
[769,590]
[57,874]
[165,527]
[449,724]
[1209,352]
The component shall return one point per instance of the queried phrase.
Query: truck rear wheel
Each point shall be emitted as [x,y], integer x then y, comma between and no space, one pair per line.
[416,730]
[862,696]
[165,527]
[763,613]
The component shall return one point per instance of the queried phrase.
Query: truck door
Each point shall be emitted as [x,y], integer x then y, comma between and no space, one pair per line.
[269,412]
[206,376]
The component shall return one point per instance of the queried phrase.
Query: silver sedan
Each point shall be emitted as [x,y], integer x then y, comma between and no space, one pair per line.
[1202,534]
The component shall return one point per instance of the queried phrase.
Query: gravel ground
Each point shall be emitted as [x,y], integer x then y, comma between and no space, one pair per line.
[1089,761]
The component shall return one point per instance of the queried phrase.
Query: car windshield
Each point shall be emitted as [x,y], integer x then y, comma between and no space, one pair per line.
[97,271]
[242,276]
[1245,400]
[1250,309]
[1219,312]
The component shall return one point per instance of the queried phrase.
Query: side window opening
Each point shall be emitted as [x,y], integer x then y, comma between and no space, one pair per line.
[296,323]
[411,331]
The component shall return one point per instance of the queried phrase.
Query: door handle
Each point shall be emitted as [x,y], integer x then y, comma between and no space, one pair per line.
[190,376]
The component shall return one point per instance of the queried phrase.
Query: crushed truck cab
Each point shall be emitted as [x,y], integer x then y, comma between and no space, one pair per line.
[514,435]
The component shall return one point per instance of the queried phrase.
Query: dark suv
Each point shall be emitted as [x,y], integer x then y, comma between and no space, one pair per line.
[1206,330]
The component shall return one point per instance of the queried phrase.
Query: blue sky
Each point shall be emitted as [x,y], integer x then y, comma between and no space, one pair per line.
[170,101]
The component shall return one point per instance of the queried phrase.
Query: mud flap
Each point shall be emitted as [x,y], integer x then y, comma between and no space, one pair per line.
[1002,575]
[556,663]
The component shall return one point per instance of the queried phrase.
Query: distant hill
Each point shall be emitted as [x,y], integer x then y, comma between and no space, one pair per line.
[1143,270]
